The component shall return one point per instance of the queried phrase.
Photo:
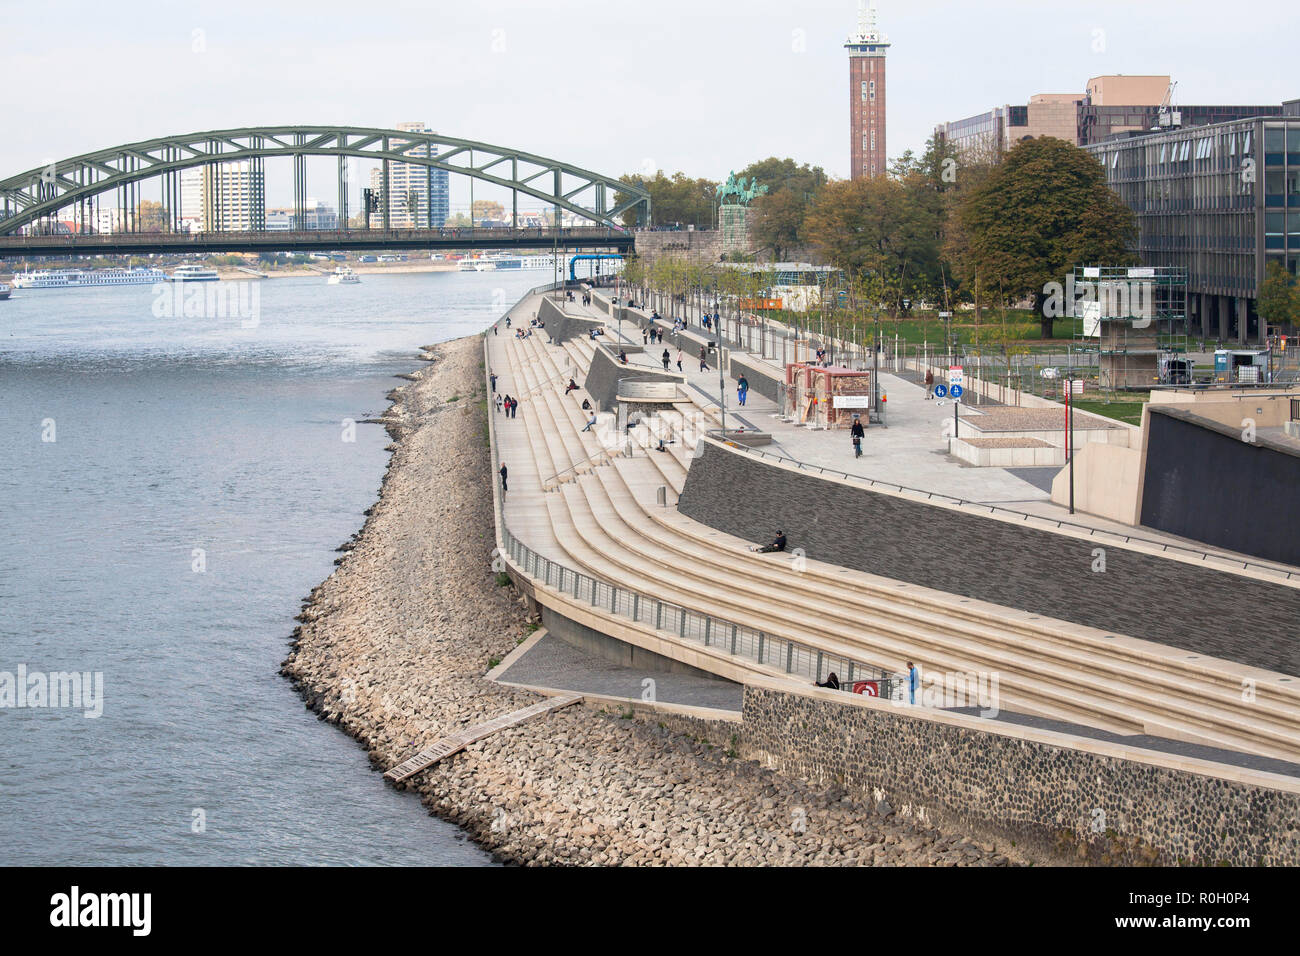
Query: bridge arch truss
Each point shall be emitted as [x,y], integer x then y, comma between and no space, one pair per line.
[74,184]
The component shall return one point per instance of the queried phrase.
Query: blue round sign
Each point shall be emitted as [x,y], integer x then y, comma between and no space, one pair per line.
[956,391]
[940,391]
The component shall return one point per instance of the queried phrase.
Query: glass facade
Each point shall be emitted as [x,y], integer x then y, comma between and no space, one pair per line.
[1221,201]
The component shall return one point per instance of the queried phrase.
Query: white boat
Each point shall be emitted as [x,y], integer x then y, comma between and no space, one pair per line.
[194,274]
[493,263]
[343,276]
[78,278]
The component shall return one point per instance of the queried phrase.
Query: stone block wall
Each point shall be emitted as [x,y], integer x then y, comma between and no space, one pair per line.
[1199,609]
[704,245]
[1060,801]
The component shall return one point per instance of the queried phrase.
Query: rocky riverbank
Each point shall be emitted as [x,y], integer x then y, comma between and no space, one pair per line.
[394,645]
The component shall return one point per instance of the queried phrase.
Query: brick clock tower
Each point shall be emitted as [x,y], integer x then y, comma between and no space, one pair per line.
[867,50]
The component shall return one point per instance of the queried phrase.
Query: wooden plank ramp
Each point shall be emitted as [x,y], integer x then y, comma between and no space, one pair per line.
[454,743]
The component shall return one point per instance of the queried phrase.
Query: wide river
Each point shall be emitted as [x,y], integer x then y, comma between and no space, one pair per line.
[172,487]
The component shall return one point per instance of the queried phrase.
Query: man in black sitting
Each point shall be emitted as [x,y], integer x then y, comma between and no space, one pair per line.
[571,387]
[778,544]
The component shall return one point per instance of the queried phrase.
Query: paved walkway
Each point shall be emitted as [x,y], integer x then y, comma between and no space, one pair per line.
[910,449]
[553,663]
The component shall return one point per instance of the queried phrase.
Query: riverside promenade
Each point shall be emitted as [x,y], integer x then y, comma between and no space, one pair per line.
[633,539]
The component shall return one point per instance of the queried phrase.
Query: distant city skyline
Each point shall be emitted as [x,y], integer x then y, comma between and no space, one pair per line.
[701,88]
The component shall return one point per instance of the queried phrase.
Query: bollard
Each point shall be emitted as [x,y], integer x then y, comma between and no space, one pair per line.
[662,495]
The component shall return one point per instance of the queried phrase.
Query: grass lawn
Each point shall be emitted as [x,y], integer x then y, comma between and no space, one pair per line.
[918,329]
[1128,411]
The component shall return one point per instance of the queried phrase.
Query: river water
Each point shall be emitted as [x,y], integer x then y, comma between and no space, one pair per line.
[174,481]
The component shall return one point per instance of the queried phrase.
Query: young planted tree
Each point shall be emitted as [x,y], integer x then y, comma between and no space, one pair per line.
[1279,297]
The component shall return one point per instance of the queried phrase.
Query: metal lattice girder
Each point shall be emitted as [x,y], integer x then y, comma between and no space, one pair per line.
[42,192]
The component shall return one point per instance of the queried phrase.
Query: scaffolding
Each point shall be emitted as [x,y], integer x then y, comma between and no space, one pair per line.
[1134,319]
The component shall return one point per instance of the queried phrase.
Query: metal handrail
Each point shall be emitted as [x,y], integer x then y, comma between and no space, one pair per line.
[737,640]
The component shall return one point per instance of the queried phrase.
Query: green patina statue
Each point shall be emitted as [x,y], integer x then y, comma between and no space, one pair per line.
[744,190]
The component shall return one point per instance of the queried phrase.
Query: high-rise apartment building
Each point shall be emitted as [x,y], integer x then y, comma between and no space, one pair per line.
[867,49]
[415,196]
[234,197]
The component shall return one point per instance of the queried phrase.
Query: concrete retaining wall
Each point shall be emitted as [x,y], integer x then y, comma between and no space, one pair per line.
[1105,482]
[1200,609]
[762,379]
[1084,801]
[605,374]
[1204,482]
[562,327]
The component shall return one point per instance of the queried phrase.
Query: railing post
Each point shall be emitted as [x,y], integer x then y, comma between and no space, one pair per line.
[708,627]
[636,606]
[789,656]
[734,629]
[818,676]
[659,615]
[761,637]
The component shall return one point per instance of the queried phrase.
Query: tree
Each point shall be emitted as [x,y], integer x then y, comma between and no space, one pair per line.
[1045,208]
[674,199]
[879,227]
[778,221]
[778,216]
[152,217]
[1279,296]
[489,210]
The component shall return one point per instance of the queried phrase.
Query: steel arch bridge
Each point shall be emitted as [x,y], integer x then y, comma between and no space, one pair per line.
[39,194]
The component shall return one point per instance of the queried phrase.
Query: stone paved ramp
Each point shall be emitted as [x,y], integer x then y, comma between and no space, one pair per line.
[552,663]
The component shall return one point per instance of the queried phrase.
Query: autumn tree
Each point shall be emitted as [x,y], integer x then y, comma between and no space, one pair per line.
[673,199]
[1045,208]
[1279,297]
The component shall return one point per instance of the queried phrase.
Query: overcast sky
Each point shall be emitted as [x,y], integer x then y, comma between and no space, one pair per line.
[699,85]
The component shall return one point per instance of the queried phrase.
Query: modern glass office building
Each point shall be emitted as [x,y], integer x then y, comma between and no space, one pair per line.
[1221,201]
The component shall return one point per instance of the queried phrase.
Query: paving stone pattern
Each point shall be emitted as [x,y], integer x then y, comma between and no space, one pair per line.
[1198,609]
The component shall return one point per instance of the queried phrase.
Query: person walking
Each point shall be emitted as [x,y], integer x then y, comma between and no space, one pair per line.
[493,376]
[704,356]
[498,404]
[857,432]
[929,383]
[679,360]
[666,357]
[913,679]
[503,474]
[742,390]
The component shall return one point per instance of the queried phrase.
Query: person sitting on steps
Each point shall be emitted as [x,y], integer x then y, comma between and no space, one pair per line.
[778,544]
